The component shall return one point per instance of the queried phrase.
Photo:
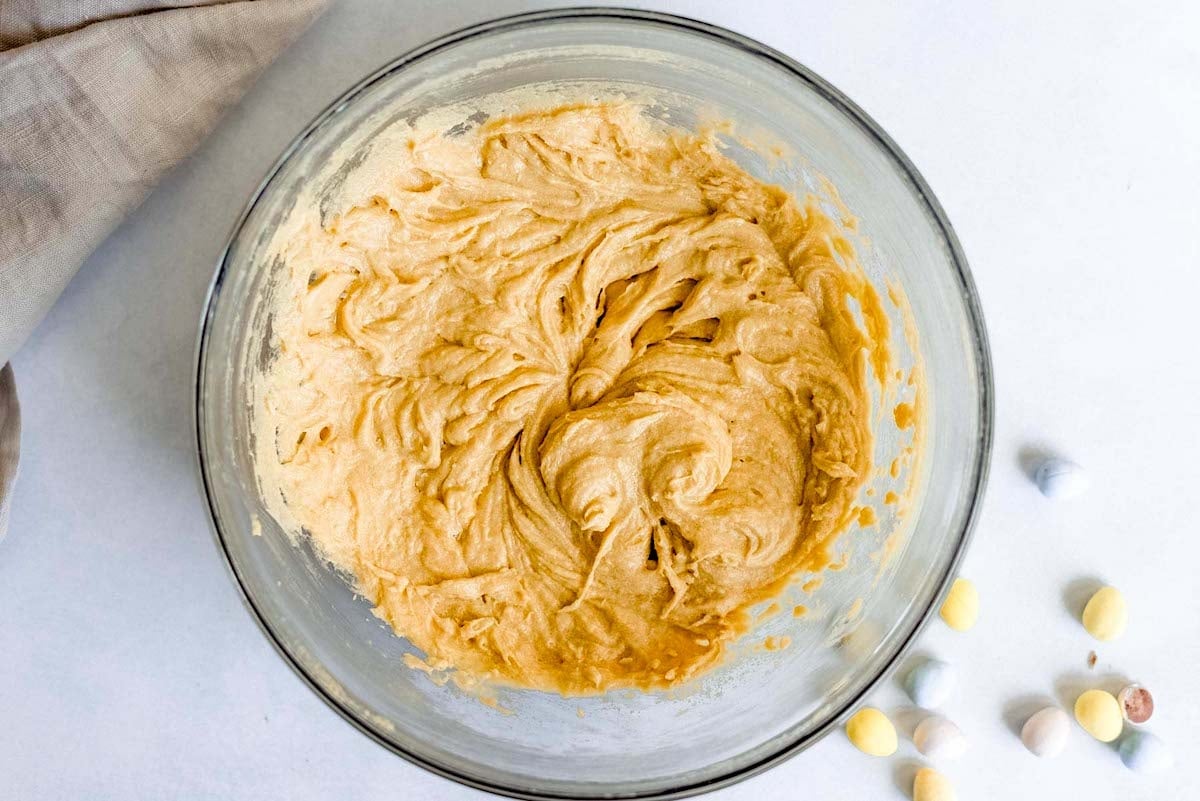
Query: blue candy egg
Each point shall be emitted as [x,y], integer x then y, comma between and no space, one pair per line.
[1060,478]
[930,683]
[1142,752]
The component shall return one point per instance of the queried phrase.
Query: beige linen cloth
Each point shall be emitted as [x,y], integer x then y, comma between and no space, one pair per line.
[97,101]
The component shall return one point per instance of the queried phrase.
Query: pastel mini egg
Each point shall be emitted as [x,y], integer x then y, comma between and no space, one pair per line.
[938,738]
[1099,714]
[1061,478]
[872,733]
[929,785]
[1137,704]
[960,610]
[1142,752]
[1045,733]
[1105,615]
[930,683]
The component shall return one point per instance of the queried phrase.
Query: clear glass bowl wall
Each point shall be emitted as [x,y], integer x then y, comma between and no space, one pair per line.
[761,705]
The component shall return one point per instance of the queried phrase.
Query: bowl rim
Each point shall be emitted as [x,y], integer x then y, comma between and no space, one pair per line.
[788,744]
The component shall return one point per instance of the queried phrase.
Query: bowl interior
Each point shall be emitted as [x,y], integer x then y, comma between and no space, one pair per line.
[790,129]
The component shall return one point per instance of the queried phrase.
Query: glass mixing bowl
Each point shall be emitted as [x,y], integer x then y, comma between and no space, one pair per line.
[761,705]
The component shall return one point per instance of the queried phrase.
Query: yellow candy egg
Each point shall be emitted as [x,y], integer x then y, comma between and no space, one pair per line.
[1099,714]
[961,607]
[929,785]
[1105,615]
[871,732]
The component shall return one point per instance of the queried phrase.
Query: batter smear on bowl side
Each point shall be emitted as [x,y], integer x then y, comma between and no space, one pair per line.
[569,393]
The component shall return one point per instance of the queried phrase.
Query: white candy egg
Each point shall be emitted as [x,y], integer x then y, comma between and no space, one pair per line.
[1142,752]
[938,738]
[1045,733]
[930,683]
[1060,478]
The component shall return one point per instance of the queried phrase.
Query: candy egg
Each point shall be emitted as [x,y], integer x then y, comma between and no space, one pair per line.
[929,785]
[1099,714]
[1105,615]
[872,733]
[1137,704]
[1059,478]
[1045,733]
[961,607]
[938,738]
[930,683]
[1142,752]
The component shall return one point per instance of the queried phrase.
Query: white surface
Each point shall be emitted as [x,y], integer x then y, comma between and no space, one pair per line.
[1063,140]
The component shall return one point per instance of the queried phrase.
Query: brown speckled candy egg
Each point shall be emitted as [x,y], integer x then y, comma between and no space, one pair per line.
[1137,705]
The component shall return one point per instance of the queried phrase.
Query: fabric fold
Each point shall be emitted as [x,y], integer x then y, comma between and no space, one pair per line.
[10,441]
[97,102]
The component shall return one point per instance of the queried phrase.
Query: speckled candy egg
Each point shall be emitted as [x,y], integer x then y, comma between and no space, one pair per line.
[1045,733]
[1137,704]
[939,739]
[1060,478]
[930,683]
[929,785]
[1142,752]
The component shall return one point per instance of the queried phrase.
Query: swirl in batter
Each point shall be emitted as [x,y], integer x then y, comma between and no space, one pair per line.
[568,394]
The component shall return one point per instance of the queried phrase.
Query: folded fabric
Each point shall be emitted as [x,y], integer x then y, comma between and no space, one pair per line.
[97,101]
[10,440]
